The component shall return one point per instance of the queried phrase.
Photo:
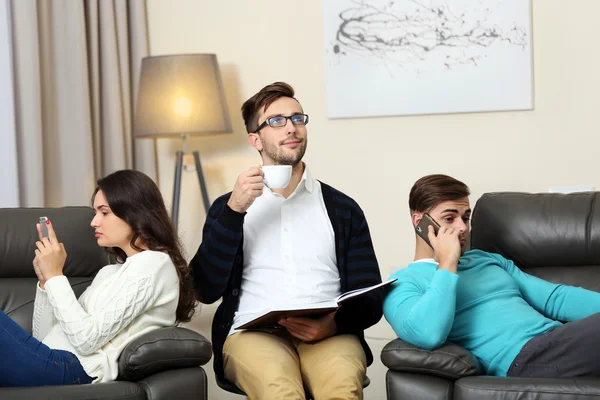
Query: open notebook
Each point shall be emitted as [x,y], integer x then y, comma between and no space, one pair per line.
[270,318]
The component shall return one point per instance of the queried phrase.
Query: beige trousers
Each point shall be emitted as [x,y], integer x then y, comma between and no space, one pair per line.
[278,366]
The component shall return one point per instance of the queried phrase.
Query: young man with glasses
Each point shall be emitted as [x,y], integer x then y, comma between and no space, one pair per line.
[265,248]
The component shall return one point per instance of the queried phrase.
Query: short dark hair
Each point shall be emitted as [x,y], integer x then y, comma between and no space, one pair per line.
[135,198]
[431,190]
[262,100]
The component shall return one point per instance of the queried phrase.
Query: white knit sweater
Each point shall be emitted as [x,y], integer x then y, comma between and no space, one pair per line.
[123,302]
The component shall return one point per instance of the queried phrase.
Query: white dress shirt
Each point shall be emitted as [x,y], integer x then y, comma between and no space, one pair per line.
[289,251]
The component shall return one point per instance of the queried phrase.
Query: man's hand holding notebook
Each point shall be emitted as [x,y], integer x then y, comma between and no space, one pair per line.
[269,319]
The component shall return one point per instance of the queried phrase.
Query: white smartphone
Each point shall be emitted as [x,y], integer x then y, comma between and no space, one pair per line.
[44,226]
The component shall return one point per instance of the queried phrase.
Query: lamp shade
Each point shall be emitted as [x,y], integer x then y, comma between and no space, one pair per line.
[180,95]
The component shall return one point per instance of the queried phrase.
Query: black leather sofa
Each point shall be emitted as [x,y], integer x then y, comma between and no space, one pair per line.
[163,364]
[553,236]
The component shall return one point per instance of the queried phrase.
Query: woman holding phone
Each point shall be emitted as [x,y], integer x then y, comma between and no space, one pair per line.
[78,341]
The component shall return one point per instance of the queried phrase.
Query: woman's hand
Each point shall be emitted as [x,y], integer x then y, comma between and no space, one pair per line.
[38,272]
[50,255]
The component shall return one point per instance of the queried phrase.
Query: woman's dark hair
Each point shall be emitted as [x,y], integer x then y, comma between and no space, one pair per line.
[135,198]
[431,190]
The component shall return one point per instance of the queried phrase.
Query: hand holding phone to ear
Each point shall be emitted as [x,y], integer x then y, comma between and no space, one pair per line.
[446,247]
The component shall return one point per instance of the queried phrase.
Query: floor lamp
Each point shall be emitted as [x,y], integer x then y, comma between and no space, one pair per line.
[180,96]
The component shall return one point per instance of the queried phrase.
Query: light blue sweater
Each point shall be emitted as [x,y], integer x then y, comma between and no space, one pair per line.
[490,307]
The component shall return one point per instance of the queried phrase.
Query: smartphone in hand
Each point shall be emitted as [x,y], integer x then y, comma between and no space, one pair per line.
[44,226]
[422,228]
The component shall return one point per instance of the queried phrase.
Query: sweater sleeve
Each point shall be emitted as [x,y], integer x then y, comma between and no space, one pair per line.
[120,304]
[556,301]
[362,271]
[222,235]
[43,314]
[422,316]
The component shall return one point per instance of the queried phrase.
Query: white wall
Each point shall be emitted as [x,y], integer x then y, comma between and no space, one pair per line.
[9,192]
[376,160]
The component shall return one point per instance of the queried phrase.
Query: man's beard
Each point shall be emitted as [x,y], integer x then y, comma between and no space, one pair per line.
[281,157]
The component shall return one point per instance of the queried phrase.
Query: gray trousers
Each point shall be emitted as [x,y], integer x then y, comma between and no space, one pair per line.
[570,350]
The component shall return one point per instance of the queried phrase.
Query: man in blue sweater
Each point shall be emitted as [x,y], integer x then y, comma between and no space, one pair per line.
[481,301]
[266,247]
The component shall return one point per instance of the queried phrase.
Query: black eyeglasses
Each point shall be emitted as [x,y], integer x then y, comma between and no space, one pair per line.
[279,121]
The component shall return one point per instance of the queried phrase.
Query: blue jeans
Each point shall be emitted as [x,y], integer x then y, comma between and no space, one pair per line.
[25,361]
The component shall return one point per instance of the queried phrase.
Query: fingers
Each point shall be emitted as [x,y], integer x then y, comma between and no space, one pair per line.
[299,334]
[45,244]
[39,230]
[254,171]
[42,244]
[298,330]
[255,179]
[254,182]
[51,233]
[302,322]
[431,233]
[444,230]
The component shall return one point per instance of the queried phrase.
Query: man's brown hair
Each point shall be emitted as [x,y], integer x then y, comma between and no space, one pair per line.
[431,190]
[262,100]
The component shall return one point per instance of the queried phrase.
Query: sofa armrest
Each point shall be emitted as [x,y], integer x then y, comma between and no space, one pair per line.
[180,384]
[493,387]
[106,390]
[449,361]
[163,349]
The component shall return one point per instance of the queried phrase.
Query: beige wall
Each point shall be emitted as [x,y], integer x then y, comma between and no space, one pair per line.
[376,160]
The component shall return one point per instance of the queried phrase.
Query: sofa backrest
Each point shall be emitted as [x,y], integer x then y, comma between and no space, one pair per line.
[17,244]
[553,236]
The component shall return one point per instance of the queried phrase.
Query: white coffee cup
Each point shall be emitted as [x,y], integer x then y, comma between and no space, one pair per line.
[277,176]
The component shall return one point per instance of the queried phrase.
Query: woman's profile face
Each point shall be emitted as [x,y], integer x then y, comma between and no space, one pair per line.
[110,230]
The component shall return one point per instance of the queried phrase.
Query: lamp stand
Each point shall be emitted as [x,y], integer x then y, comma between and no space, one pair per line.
[177,182]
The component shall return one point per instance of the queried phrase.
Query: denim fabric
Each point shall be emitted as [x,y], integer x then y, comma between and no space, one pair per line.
[25,361]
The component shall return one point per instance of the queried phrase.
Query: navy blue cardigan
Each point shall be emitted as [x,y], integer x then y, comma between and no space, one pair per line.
[217,267]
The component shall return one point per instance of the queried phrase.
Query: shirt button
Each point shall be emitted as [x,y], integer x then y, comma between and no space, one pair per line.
[286,257]
[235,292]
[285,229]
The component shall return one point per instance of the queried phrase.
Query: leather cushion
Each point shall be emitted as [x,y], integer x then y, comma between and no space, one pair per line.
[107,390]
[72,225]
[163,349]
[486,387]
[449,361]
[17,296]
[539,230]
[184,383]
[407,386]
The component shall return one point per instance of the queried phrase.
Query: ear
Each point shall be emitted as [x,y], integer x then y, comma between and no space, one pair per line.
[254,140]
[416,218]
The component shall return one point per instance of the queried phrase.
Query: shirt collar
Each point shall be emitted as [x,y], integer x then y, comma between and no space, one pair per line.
[307,179]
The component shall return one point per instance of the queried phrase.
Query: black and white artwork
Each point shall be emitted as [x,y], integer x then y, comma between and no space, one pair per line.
[409,57]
